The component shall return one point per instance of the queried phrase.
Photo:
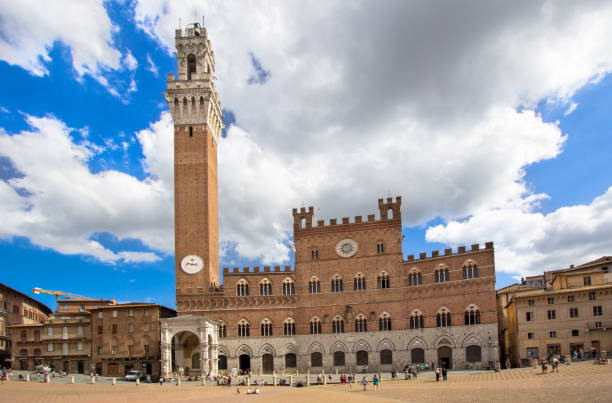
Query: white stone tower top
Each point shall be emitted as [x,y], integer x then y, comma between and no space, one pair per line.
[192,97]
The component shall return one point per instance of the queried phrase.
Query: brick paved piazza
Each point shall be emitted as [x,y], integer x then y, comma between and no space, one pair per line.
[582,382]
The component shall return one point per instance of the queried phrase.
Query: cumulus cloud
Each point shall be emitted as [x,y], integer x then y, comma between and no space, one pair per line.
[57,202]
[29,29]
[529,242]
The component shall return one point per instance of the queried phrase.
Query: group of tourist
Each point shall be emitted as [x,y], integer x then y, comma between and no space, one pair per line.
[441,372]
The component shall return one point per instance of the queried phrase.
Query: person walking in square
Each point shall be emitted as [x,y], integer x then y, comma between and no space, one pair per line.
[375,382]
[364,382]
[437,374]
[444,371]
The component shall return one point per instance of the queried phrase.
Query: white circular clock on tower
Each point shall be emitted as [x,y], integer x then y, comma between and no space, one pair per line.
[346,248]
[191,264]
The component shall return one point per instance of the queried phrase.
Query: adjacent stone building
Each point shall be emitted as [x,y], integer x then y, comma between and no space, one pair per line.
[127,336]
[17,308]
[353,300]
[558,312]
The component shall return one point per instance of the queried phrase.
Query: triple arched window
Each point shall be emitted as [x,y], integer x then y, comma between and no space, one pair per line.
[289,327]
[222,331]
[336,284]
[470,270]
[443,318]
[384,322]
[361,324]
[243,328]
[265,287]
[441,276]
[416,320]
[266,327]
[315,326]
[338,325]
[359,282]
[314,286]
[415,278]
[472,316]
[383,280]
[288,287]
[242,288]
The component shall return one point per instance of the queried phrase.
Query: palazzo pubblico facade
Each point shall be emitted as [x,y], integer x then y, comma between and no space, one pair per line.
[353,300]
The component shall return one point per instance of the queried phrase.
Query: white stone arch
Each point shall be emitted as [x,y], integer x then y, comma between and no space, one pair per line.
[181,328]
[224,351]
[266,349]
[338,346]
[291,348]
[316,347]
[445,340]
[417,342]
[471,307]
[385,344]
[472,339]
[244,349]
[362,345]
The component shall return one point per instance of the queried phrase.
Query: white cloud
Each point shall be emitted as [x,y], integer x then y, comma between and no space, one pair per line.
[29,29]
[431,103]
[530,243]
[130,61]
[63,204]
[151,66]
[571,108]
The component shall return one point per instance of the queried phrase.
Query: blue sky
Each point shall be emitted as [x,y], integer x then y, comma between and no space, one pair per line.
[494,126]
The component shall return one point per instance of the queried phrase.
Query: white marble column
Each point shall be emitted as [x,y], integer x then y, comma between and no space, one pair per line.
[215,359]
[204,364]
[166,360]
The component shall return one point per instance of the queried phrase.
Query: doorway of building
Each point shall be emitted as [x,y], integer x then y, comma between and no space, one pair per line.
[445,357]
[244,362]
[597,346]
[80,367]
[66,367]
[113,369]
[148,368]
[267,363]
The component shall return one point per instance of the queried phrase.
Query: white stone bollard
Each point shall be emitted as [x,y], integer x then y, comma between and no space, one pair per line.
[72,379]
[274,379]
[308,378]
[114,381]
[248,380]
[178,381]
[137,381]
[27,379]
[93,380]
[47,379]
[290,381]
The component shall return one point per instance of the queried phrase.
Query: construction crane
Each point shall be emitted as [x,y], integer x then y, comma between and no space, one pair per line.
[58,294]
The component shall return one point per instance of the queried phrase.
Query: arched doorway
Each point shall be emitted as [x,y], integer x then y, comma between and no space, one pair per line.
[186,353]
[222,362]
[445,357]
[244,362]
[417,356]
[267,363]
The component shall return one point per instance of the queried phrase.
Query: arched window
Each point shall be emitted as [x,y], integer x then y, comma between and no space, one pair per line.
[417,355]
[222,361]
[314,286]
[288,287]
[380,248]
[361,323]
[470,270]
[315,326]
[339,359]
[316,359]
[386,357]
[384,322]
[242,288]
[222,331]
[336,284]
[443,318]
[243,328]
[416,320]
[191,66]
[383,280]
[266,327]
[338,325]
[362,357]
[289,327]
[415,278]
[265,287]
[441,275]
[359,282]
[472,315]
[315,254]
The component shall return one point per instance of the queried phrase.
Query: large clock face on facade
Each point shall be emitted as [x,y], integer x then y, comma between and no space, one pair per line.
[346,248]
[191,264]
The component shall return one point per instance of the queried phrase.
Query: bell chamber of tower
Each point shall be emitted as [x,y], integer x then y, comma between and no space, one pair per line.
[196,112]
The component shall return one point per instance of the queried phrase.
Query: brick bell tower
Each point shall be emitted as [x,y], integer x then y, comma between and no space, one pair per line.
[196,111]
